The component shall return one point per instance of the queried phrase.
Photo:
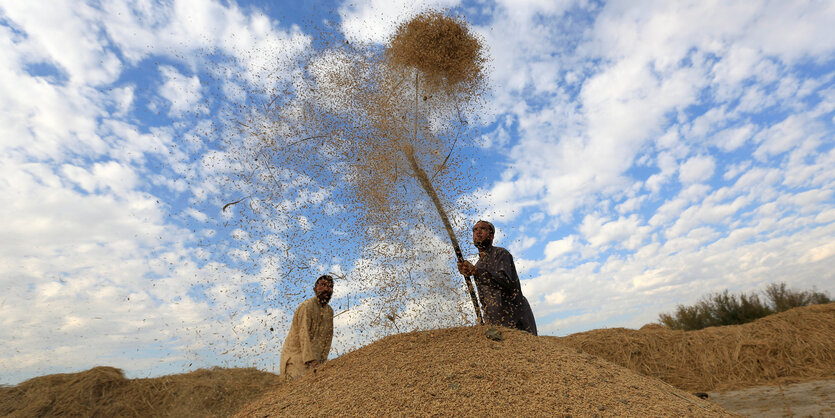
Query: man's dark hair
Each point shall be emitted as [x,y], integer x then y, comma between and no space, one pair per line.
[492,228]
[324,277]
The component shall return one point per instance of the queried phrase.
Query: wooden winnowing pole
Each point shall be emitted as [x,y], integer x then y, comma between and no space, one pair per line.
[424,181]
[430,190]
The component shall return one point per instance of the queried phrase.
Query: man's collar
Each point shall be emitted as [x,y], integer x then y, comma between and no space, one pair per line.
[485,251]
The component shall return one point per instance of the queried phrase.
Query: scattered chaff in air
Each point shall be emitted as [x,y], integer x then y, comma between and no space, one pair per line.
[332,150]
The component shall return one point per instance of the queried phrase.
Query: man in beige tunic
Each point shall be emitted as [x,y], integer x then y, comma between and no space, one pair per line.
[309,340]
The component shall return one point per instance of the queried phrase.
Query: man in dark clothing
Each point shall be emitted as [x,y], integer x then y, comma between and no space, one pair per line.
[497,282]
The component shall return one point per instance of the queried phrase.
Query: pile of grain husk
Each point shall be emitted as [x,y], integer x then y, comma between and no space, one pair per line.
[105,392]
[462,372]
[795,345]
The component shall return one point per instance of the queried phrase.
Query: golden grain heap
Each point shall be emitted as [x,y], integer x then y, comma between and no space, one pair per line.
[461,372]
[796,344]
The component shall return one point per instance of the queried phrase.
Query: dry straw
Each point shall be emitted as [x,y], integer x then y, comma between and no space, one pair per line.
[442,48]
[105,392]
[798,344]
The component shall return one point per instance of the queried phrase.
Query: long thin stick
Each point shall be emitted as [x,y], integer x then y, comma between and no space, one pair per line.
[427,186]
[424,181]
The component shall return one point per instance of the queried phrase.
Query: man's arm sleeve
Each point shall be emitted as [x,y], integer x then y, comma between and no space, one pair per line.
[305,341]
[326,347]
[505,273]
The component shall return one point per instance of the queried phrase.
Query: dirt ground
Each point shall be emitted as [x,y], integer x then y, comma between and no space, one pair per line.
[806,399]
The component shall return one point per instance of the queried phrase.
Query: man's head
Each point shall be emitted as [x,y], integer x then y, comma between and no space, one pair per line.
[323,288]
[483,233]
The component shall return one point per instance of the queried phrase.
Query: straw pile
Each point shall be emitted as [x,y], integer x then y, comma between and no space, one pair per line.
[460,371]
[798,344]
[105,392]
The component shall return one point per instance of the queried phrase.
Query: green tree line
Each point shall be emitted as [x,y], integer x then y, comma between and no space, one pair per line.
[733,309]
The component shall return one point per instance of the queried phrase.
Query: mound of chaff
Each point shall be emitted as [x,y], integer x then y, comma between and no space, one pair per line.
[469,371]
[798,344]
[461,372]
[105,392]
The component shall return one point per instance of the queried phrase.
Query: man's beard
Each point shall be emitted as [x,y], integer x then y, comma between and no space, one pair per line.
[483,244]
[324,297]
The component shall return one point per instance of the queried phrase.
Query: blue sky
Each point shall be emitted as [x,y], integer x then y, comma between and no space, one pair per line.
[633,157]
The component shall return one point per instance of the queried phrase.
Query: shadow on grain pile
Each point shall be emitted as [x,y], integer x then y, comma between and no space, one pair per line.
[791,346]
[105,392]
[460,371]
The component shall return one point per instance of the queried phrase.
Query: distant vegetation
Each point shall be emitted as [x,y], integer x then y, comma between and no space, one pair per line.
[727,309]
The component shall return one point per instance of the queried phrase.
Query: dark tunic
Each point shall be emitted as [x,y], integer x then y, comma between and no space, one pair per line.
[500,292]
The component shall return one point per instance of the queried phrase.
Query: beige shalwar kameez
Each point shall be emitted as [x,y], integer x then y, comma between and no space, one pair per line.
[309,338]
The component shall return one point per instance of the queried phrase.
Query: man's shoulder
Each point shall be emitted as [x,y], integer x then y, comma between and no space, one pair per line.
[306,303]
[499,251]
[312,303]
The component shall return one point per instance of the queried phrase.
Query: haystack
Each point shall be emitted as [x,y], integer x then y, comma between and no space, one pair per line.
[798,344]
[105,392]
[461,372]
